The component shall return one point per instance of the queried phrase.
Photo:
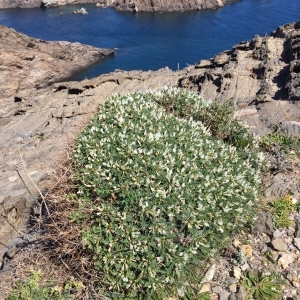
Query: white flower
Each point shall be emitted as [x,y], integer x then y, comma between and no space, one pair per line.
[181,292]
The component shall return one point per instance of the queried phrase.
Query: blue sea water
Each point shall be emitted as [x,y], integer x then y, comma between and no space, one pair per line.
[149,41]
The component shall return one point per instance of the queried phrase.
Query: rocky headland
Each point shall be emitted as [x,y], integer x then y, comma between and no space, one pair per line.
[168,5]
[261,77]
[27,62]
[124,5]
[40,3]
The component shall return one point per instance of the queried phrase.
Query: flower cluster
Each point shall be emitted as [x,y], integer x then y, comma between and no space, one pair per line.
[165,193]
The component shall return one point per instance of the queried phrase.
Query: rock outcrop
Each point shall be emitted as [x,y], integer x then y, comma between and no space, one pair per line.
[81,11]
[19,3]
[260,76]
[268,66]
[105,3]
[168,5]
[27,62]
[49,3]
[40,3]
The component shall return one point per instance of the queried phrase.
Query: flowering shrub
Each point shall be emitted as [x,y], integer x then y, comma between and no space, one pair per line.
[159,192]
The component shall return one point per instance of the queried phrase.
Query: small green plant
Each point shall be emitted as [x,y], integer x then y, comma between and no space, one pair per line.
[280,142]
[297,205]
[239,259]
[39,137]
[203,296]
[262,287]
[164,186]
[33,288]
[268,255]
[281,210]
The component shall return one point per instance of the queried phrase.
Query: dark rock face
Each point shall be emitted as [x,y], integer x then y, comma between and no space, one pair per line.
[168,5]
[292,46]
[27,62]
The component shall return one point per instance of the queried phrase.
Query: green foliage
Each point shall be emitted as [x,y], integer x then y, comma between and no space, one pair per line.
[268,255]
[281,210]
[217,117]
[239,259]
[280,142]
[204,296]
[262,287]
[162,192]
[297,206]
[34,289]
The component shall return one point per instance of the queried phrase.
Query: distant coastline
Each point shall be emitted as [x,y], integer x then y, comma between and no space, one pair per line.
[123,5]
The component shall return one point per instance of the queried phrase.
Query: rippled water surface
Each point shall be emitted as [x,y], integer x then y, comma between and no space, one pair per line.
[146,41]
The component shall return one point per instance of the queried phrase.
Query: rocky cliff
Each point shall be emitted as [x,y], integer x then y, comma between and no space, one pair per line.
[168,5]
[27,62]
[19,3]
[39,3]
[261,77]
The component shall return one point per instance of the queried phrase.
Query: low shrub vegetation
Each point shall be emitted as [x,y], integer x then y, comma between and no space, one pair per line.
[262,286]
[278,142]
[34,288]
[282,210]
[164,180]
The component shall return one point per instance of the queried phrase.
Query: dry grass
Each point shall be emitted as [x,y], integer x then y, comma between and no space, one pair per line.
[58,251]
[31,258]
[62,241]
